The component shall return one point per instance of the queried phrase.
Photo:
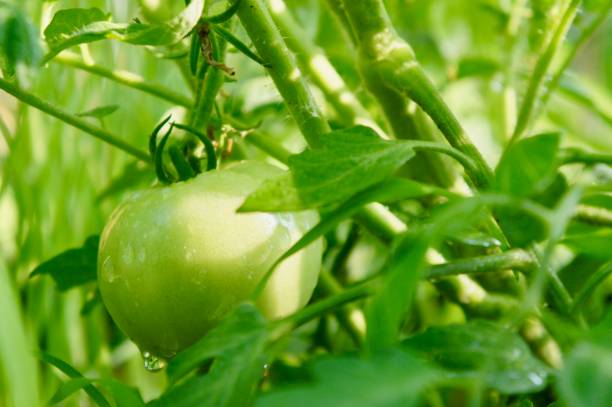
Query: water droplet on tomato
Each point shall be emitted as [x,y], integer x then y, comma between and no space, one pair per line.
[153,363]
[128,254]
[108,270]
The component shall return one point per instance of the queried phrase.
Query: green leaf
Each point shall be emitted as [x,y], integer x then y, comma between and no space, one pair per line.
[238,344]
[595,242]
[405,266]
[230,382]
[476,66]
[73,373]
[68,388]
[73,267]
[245,325]
[100,112]
[75,26]
[521,228]
[347,162]
[388,307]
[586,378]
[69,23]
[239,45]
[393,190]
[483,351]
[390,378]
[224,15]
[19,42]
[528,166]
[122,394]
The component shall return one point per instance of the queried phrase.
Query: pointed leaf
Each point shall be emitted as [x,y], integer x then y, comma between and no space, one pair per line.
[73,267]
[528,166]
[390,378]
[484,351]
[75,26]
[347,162]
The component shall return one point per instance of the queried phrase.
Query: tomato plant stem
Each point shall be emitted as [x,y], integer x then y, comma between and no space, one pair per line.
[585,34]
[471,295]
[283,69]
[390,61]
[512,259]
[357,333]
[71,119]
[313,60]
[328,304]
[539,74]
[337,8]
[128,79]
[594,215]
[212,83]
[573,156]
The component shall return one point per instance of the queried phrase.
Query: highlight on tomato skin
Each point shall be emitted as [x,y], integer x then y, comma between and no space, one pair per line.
[175,259]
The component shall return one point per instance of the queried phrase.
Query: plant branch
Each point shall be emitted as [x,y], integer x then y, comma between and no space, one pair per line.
[328,304]
[211,84]
[541,68]
[329,284]
[337,9]
[575,155]
[516,259]
[389,61]
[313,60]
[590,285]
[283,69]
[593,215]
[269,145]
[71,119]
[125,78]
[472,296]
[585,34]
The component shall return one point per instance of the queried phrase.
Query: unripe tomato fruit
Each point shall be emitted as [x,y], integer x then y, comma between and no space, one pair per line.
[174,260]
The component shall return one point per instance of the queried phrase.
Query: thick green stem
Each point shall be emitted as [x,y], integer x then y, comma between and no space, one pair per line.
[403,119]
[283,69]
[211,85]
[517,13]
[313,60]
[333,287]
[593,215]
[574,155]
[125,78]
[71,119]
[539,74]
[337,9]
[512,259]
[585,34]
[386,56]
[269,145]
[329,304]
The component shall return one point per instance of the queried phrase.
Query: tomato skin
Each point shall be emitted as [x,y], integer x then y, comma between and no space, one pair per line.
[173,260]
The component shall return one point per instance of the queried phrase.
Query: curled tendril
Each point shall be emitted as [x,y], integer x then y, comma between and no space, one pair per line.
[211,157]
[159,167]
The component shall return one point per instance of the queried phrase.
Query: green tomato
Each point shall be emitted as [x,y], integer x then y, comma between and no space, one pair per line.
[159,11]
[174,260]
